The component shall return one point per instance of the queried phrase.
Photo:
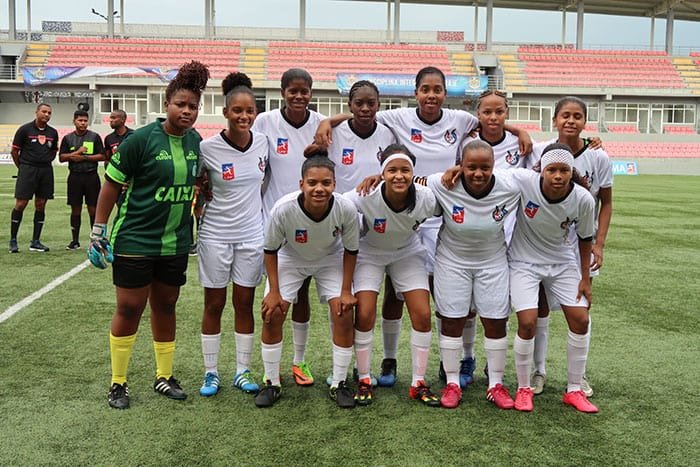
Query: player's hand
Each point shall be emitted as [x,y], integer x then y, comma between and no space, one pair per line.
[594,142]
[271,305]
[584,290]
[100,251]
[597,257]
[524,143]
[368,184]
[450,177]
[202,184]
[347,303]
[324,132]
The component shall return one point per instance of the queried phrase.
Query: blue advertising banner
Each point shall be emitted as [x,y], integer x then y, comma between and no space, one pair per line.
[624,168]
[35,76]
[405,85]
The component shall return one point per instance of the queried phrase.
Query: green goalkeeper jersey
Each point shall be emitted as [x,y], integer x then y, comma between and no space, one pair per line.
[154,219]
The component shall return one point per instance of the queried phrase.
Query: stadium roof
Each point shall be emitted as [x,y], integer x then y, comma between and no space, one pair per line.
[682,9]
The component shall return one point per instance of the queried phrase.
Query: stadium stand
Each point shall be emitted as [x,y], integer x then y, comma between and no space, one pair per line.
[623,128]
[654,149]
[553,66]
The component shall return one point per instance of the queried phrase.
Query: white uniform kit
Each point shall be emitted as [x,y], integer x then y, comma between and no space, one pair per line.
[311,248]
[435,146]
[231,233]
[287,143]
[356,157]
[389,241]
[471,268]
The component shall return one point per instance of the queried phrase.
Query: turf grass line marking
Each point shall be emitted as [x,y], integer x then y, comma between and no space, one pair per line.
[11,311]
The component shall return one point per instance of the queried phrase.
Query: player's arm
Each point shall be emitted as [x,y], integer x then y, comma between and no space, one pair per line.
[347,299]
[584,286]
[272,302]
[15,156]
[604,217]
[324,133]
[524,140]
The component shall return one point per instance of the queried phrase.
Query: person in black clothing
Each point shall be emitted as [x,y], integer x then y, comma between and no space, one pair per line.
[82,149]
[33,149]
[117,121]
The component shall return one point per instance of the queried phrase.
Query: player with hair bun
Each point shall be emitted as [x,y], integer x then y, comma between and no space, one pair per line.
[151,233]
[289,131]
[230,237]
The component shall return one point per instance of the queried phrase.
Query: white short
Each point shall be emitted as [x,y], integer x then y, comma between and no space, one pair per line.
[223,263]
[406,274]
[428,238]
[328,275]
[560,283]
[458,290]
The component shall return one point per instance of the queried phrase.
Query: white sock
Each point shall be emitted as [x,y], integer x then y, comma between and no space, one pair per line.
[420,348]
[496,350]
[541,344]
[576,356]
[523,349]
[450,348]
[271,357]
[468,337]
[244,349]
[391,331]
[363,352]
[300,337]
[211,343]
[342,356]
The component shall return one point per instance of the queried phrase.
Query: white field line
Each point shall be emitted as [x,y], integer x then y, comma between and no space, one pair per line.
[11,311]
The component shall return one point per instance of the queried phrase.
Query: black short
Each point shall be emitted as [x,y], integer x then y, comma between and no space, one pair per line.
[83,186]
[34,181]
[133,272]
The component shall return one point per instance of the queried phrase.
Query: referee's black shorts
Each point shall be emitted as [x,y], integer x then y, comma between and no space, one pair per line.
[83,186]
[34,181]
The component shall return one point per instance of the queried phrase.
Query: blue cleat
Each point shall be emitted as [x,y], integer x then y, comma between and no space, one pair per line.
[245,382]
[210,386]
[466,372]
[387,378]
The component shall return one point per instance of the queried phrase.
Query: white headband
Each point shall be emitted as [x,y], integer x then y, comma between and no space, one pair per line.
[554,156]
[393,157]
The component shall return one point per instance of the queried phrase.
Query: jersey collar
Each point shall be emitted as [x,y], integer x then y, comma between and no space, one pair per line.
[427,122]
[352,128]
[295,125]
[300,200]
[486,192]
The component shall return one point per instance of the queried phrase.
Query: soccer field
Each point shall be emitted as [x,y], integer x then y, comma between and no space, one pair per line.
[644,363]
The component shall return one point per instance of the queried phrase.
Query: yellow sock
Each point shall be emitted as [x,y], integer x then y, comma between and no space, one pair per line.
[120,352]
[165,351]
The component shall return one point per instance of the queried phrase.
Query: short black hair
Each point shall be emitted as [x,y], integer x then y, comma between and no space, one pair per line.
[295,73]
[317,161]
[80,113]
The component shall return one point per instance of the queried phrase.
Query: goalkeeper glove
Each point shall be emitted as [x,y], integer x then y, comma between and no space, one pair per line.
[100,251]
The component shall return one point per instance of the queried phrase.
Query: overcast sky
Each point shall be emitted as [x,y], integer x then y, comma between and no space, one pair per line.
[509,25]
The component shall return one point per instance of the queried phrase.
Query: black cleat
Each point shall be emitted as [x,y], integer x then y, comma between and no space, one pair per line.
[73,246]
[169,388]
[13,248]
[36,245]
[118,396]
[343,396]
[268,395]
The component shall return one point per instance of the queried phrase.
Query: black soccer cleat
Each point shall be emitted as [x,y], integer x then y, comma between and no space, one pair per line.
[343,396]
[118,396]
[268,395]
[169,388]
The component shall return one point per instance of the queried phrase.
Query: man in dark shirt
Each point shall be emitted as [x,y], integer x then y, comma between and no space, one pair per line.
[82,149]
[33,149]
[117,121]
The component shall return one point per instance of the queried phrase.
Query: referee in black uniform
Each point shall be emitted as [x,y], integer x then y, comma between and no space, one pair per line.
[33,149]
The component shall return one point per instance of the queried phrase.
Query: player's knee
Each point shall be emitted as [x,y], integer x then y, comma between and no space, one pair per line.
[40,204]
[21,204]
[579,324]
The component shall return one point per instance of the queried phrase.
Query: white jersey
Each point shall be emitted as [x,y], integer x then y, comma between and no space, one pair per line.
[506,152]
[472,229]
[387,231]
[305,241]
[287,143]
[540,235]
[356,157]
[235,174]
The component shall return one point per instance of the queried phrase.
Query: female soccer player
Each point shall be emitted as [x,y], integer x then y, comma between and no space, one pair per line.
[151,234]
[391,215]
[231,233]
[432,134]
[289,131]
[593,164]
[541,253]
[311,233]
[471,268]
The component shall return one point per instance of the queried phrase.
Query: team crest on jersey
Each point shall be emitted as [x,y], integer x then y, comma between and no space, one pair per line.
[227,172]
[531,209]
[282,146]
[567,223]
[261,164]
[416,135]
[348,156]
[458,214]
[379,153]
[338,231]
[588,179]
[301,236]
[41,139]
[499,213]
[512,158]
[451,136]
[380,225]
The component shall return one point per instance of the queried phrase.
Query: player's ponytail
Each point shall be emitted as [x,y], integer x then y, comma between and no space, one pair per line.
[192,76]
[235,83]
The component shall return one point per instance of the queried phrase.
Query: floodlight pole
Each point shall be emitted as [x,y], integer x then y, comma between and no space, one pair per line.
[651,33]
[110,19]
[302,19]
[669,31]
[489,24]
[12,17]
[579,25]
[29,20]
[476,26]
[397,21]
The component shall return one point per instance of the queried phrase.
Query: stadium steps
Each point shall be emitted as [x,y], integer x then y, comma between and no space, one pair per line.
[513,75]
[254,63]
[463,63]
[37,54]
[689,71]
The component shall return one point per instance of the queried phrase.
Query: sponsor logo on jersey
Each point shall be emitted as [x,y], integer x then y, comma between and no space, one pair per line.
[301,236]
[348,156]
[416,135]
[191,156]
[116,158]
[380,225]
[499,213]
[513,158]
[567,223]
[164,156]
[458,214]
[282,145]
[261,164]
[451,136]
[174,194]
[227,172]
[531,209]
